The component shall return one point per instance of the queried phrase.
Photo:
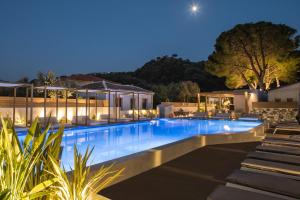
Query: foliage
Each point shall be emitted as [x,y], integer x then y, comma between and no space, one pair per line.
[47,79]
[19,177]
[50,79]
[161,73]
[30,169]
[183,91]
[256,54]
[80,185]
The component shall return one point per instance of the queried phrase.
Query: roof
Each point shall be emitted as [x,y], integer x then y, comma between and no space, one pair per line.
[81,78]
[13,85]
[51,87]
[286,86]
[110,86]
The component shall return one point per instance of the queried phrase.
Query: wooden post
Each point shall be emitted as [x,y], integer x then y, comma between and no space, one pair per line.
[96,106]
[119,105]
[31,104]
[14,105]
[133,106]
[152,103]
[56,105]
[26,109]
[86,106]
[198,101]
[138,105]
[108,107]
[76,107]
[205,103]
[45,99]
[220,104]
[116,106]
[66,106]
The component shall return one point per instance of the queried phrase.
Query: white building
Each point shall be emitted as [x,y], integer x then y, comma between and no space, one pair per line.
[289,93]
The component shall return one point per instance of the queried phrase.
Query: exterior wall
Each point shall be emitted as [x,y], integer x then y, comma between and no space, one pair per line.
[239,103]
[283,93]
[187,107]
[6,108]
[243,102]
[275,112]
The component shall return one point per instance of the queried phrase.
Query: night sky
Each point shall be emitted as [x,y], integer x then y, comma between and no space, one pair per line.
[109,35]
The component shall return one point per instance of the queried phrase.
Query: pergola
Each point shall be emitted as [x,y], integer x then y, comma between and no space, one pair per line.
[45,89]
[14,87]
[117,90]
[102,87]
[215,94]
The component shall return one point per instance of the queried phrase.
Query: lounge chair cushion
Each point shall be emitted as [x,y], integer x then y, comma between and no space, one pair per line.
[231,193]
[51,120]
[276,157]
[279,149]
[265,182]
[272,166]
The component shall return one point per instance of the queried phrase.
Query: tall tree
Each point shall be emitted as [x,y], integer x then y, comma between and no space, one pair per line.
[256,54]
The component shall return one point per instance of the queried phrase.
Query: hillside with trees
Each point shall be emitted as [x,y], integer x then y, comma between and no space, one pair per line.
[169,73]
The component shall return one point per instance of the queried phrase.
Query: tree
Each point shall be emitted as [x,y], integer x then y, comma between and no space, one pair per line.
[256,54]
[184,91]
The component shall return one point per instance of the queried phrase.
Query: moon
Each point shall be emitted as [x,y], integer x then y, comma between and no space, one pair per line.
[194,8]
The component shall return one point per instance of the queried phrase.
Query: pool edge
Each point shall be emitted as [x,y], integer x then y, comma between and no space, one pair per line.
[143,161]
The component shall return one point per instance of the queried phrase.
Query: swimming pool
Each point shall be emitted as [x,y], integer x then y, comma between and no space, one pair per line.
[115,141]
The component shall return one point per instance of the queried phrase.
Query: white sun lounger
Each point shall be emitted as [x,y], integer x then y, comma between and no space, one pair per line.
[279,149]
[263,183]
[231,193]
[275,157]
[276,168]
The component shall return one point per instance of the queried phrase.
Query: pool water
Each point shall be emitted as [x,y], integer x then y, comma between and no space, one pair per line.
[115,141]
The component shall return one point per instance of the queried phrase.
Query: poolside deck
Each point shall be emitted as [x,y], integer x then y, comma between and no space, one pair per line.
[192,176]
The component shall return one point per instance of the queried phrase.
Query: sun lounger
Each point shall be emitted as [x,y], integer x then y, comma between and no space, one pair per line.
[282,142]
[231,193]
[279,149]
[275,157]
[275,167]
[200,114]
[287,127]
[221,116]
[249,117]
[264,183]
[51,120]
[85,120]
[295,138]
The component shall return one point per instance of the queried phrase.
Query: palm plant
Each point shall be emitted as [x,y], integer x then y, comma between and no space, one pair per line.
[30,169]
[80,184]
[18,164]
